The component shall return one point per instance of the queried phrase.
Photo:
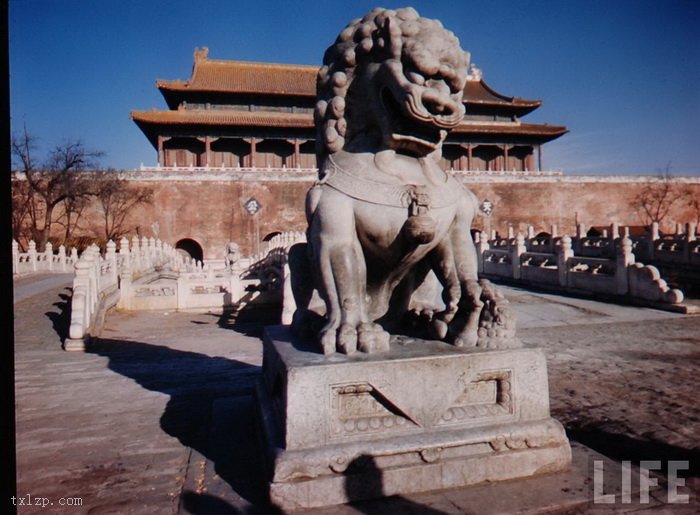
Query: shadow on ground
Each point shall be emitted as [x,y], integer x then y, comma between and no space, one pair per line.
[621,447]
[211,411]
[250,320]
[363,478]
[61,318]
[204,503]
[195,383]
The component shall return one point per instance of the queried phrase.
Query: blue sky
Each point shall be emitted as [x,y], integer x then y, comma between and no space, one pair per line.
[622,75]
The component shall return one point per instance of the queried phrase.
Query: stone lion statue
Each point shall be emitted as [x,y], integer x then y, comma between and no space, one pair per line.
[383,214]
[233,255]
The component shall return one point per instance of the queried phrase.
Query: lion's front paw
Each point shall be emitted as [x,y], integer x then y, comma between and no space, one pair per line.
[439,328]
[347,339]
[372,338]
[327,338]
[466,338]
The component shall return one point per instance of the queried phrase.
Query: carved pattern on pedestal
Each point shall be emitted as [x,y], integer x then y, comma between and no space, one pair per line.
[360,408]
[518,442]
[490,395]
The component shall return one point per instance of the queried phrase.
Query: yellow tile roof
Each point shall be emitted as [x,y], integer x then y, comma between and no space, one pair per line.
[247,77]
[224,117]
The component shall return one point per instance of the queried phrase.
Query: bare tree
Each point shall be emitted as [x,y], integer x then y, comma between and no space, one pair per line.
[694,204]
[656,200]
[22,206]
[116,198]
[59,178]
[73,208]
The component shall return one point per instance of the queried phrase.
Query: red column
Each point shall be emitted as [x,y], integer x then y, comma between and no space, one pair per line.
[163,152]
[211,161]
[161,155]
[207,160]
[297,156]
[252,158]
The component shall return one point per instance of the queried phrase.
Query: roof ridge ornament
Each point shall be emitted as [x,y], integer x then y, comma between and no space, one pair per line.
[475,73]
[201,54]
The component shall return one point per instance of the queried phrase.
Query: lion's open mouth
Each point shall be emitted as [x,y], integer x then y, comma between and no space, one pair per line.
[409,133]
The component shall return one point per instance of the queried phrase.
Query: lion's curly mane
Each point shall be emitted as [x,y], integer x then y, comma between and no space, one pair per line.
[365,40]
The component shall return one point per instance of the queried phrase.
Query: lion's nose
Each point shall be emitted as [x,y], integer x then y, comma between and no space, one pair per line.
[437,101]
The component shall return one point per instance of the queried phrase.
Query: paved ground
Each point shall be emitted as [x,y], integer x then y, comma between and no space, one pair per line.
[157,417]
[31,285]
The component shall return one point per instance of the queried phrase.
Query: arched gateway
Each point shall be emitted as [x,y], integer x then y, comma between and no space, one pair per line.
[191,248]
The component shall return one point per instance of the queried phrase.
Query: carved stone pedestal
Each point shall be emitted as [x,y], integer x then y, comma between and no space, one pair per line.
[422,416]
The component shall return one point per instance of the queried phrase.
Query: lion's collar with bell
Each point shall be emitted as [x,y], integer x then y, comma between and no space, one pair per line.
[361,181]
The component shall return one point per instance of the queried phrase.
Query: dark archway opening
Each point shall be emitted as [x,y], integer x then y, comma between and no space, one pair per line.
[192,248]
[271,235]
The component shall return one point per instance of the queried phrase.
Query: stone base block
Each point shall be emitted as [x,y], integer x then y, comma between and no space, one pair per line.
[422,416]
[73,345]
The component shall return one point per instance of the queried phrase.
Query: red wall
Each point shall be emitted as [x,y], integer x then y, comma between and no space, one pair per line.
[209,208]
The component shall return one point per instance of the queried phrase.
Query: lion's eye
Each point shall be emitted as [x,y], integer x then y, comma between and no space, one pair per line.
[416,78]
